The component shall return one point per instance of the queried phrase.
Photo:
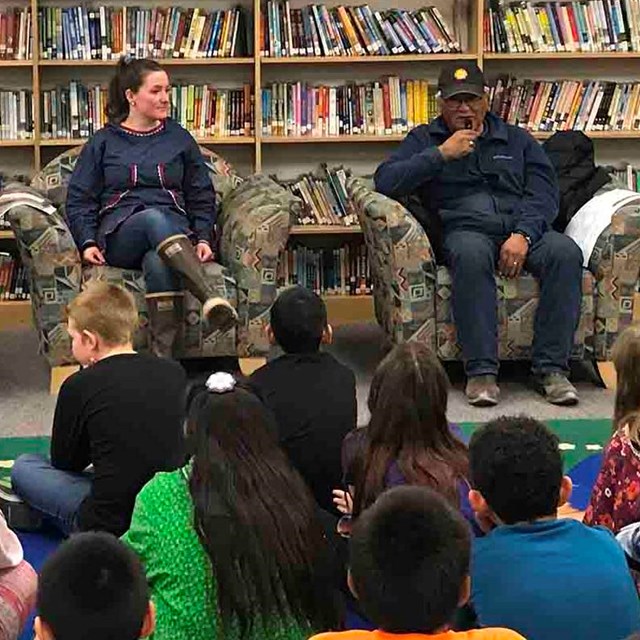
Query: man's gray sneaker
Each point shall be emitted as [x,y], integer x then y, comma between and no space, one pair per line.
[556,388]
[482,391]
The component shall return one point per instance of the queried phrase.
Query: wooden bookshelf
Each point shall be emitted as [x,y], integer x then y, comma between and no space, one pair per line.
[349,309]
[565,55]
[329,139]
[323,230]
[14,314]
[422,57]
[169,62]
[74,142]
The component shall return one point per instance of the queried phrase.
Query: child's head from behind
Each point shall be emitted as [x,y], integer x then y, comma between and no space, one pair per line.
[408,425]
[516,470]
[100,318]
[626,359]
[299,321]
[243,487]
[94,587]
[409,561]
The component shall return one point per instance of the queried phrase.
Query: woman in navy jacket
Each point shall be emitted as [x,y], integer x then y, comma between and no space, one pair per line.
[141,197]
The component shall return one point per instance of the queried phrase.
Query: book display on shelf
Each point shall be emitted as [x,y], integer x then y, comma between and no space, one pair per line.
[106,33]
[629,174]
[324,198]
[387,107]
[563,105]
[16,115]
[77,111]
[597,25]
[341,271]
[315,30]
[14,281]
[16,41]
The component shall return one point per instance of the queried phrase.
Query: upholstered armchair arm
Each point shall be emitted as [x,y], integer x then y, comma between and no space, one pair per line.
[254,220]
[402,265]
[615,263]
[51,258]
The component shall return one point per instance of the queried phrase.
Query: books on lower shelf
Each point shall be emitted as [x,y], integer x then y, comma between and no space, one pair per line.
[16,41]
[629,174]
[387,107]
[341,271]
[315,30]
[16,114]
[14,281]
[324,198]
[562,105]
[105,33]
[78,111]
[594,26]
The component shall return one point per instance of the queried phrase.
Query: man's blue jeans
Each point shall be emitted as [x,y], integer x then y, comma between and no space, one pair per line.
[54,493]
[133,246]
[555,261]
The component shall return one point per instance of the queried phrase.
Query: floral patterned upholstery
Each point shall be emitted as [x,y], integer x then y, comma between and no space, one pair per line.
[413,294]
[254,222]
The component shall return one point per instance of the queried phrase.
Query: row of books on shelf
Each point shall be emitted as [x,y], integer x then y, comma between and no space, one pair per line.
[104,33]
[315,30]
[14,281]
[593,26]
[341,271]
[15,33]
[324,198]
[563,105]
[390,106]
[629,174]
[78,111]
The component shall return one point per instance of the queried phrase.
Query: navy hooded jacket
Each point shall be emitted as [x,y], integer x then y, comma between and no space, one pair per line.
[506,184]
[120,171]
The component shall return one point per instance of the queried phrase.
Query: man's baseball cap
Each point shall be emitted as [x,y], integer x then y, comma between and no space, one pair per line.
[461,77]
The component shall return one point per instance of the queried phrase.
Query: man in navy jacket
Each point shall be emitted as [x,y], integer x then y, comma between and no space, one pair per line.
[496,195]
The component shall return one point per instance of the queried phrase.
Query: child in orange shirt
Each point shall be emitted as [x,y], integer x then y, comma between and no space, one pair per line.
[409,568]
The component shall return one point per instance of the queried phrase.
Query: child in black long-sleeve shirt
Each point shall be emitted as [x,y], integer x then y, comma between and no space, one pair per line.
[122,414]
[312,395]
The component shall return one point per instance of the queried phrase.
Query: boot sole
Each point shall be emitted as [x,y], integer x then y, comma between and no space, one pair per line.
[220,315]
[483,401]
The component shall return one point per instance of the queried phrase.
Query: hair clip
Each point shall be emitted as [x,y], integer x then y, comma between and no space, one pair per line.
[220,382]
[127,58]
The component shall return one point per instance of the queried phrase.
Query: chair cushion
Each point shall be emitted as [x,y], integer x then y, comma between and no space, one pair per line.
[517,304]
[196,342]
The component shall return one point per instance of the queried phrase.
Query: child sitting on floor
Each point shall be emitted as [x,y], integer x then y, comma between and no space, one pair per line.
[18,583]
[409,439]
[312,395]
[93,587]
[122,414]
[615,498]
[547,578]
[409,568]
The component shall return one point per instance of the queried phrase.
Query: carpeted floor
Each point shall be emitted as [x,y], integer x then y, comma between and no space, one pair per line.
[26,409]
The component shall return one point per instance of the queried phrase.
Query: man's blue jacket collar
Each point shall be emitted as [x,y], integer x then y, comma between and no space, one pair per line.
[496,128]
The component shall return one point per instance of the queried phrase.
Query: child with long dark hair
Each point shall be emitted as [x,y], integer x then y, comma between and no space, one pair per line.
[409,439]
[231,543]
[615,498]
[140,197]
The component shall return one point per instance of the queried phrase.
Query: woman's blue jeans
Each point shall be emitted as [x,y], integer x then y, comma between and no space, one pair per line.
[133,246]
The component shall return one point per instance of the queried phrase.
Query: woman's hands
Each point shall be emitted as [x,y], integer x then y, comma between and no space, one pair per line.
[93,255]
[204,251]
[343,501]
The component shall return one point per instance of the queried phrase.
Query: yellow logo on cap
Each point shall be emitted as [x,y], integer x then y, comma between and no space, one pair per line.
[460,74]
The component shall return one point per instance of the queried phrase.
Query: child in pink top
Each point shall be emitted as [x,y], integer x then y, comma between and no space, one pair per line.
[18,583]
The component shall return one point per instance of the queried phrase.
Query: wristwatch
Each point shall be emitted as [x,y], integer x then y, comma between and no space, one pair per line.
[524,235]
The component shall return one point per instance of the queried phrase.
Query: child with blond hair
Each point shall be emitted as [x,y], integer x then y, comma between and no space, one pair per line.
[121,414]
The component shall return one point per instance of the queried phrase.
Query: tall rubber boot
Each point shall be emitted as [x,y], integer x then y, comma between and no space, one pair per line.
[166,317]
[178,252]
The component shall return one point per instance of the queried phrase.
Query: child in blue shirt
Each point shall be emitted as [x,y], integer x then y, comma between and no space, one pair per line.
[548,579]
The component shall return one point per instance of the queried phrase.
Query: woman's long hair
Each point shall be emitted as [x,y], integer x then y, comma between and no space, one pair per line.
[130,74]
[256,519]
[409,427]
[626,359]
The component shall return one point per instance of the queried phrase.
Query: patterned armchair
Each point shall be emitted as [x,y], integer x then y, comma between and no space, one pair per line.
[254,218]
[413,293]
